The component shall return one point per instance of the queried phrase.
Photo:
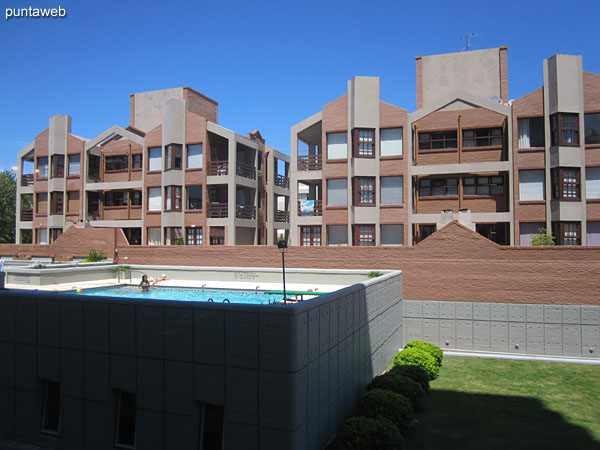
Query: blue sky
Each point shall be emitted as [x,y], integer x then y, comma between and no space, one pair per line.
[268,64]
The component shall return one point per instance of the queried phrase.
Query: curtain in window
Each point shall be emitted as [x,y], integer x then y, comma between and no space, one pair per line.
[194,156]
[524,134]
[153,236]
[155,158]
[154,199]
[391,142]
[337,145]
[42,236]
[337,192]
[593,233]
[531,185]
[392,234]
[391,190]
[592,182]
[337,235]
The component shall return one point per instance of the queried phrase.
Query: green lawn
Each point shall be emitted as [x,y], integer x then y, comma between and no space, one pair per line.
[491,404]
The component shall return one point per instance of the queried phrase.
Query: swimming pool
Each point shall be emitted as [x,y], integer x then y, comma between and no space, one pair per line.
[184,294]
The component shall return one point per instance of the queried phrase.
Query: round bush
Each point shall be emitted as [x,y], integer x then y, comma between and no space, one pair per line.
[430,348]
[395,382]
[415,373]
[359,433]
[388,404]
[417,357]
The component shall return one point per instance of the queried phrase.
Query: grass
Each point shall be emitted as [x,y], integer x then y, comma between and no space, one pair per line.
[494,404]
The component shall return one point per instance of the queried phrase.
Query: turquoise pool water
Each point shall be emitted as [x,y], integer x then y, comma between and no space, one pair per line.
[183,294]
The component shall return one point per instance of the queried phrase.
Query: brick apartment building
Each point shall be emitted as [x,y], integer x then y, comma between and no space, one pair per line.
[365,172]
[173,176]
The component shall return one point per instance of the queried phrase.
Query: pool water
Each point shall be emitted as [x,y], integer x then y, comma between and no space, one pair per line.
[183,294]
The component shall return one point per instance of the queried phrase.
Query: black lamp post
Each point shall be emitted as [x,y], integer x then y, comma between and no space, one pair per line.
[282,245]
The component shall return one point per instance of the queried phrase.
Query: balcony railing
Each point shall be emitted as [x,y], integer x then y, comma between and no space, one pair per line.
[282,181]
[310,207]
[246,171]
[310,162]
[27,179]
[245,212]
[217,210]
[282,216]
[218,168]
[26,215]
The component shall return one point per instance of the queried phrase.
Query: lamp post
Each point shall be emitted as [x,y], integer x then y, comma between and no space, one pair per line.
[282,245]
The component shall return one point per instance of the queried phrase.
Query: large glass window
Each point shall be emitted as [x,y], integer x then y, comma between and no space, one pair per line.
[154,158]
[194,197]
[136,198]
[173,154]
[337,145]
[565,184]
[392,190]
[42,167]
[74,165]
[337,235]
[337,192]
[58,166]
[117,163]
[153,236]
[482,137]
[194,156]
[391,142]
[193,236]
[173,198]
[364,235]
[438,187]
[437,140]
[527,230]
[56,202]
[531,132]
[41,236]
[115,198]
[532,185]
[392,235]
[364,143]
[564,129]
[592,182]
[483,185]
[567,233]
[592,128]
[310,236]
[136,161]
[154,199]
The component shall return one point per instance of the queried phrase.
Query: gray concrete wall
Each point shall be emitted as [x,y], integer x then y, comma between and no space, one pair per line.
[557,330]
[287,376]
[149,107]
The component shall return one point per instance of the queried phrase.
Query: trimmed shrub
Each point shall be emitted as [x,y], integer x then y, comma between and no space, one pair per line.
[388,404]
[395,382]
[415,373]
[359,433]
[95,256]
[417,357]
[430,348]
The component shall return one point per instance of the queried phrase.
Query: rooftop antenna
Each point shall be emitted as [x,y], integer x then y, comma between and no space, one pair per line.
[468,39]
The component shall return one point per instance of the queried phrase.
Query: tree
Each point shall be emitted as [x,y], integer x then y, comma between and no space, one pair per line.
[542,238]
[8,192]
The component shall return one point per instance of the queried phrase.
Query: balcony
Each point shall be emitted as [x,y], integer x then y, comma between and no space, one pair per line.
[218,168]
[282,181]
[217,210]
[245,212]
[310,162]
[310,207]
[281,216]
[246,171]
[27,179]
[26,215]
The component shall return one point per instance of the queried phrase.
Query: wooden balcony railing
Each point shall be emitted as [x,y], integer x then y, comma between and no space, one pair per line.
[217,210]
[310,162]
[282,216]
[282,181]
[26,215]
[246,171]
[306,208]
[218,168]
[245,212]
[27,180]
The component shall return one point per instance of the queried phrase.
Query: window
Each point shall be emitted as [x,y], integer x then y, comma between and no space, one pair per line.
[392,191]
[593,233]
[438,187]
[58,166]
[55,234]
[392,234]
[564,129]
[567,233]
[136,161]
[531,132]
[337,145]
[154,158]
[217,235]
[592,182]
[126,419]
[74,165]
[532,185]
[56,202]
[527,230]
[116,163]
[41,203]
[173,152]
[495,232]
[51,408]
[390,142]
[565,184]
[115,198]
[41,236]
[194,156]
[592,128]
[438,140]
[337,235]
[337,192]
[364,235]
[73,202]
[483,185]
[310,236]
[42,167]
[194,197]
[136,198]
[153,236]
[173,198]
[364,191]
[483,137]
[193,236]
[364,143]
[154,199]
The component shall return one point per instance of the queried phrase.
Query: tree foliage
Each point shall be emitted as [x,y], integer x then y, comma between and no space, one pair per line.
[8,192]
[542,238]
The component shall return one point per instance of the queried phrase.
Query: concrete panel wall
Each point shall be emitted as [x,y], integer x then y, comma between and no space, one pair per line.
[287,376]
[557,330]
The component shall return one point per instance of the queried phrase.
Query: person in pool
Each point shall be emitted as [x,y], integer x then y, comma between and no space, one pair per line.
[144,284]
